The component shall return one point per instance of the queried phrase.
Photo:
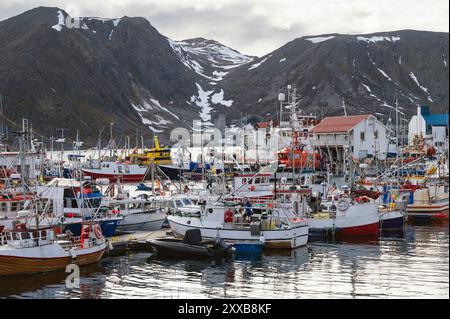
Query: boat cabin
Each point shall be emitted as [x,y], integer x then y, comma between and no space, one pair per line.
[27,238]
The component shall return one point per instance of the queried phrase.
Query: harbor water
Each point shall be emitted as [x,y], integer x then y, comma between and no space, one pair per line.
[410,264]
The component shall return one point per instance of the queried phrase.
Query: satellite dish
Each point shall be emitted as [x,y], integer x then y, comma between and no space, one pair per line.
[281,97]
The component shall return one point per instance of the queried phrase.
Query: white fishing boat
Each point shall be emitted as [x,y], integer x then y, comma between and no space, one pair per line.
[138,214]
[275,227]
[343,216]
[36,251]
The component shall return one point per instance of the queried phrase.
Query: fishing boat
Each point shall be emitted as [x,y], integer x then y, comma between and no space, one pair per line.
[297,158]
[138,214]
[115,171]
[427,207]
[275,227]
[36,251]
[342,216]
[156,155]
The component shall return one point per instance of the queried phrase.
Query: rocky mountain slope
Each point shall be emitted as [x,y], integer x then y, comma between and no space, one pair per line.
[367,72]
[84,74]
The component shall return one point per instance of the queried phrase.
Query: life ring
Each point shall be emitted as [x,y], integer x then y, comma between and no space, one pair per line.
[252,188]
[228,216]
[342,205]
[98,232]
[115,211]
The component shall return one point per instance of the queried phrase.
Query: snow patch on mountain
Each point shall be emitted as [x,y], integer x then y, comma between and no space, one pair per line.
[367,87]
[58,27]
[206,56]
[184,58]
[375,39]
[384,74]
[254,66]
[217,98]
[143,110]
[319,39]
[414,78]
[202,101]
[205,99]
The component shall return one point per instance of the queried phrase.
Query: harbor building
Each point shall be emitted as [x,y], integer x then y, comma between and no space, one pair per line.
[433,128]
[362,135]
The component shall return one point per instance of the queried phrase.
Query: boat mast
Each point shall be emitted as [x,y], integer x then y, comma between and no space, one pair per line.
[111,139]
[61,140]
[397,146]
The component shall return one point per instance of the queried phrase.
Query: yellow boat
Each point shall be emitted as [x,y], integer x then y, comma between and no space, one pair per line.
[157,155]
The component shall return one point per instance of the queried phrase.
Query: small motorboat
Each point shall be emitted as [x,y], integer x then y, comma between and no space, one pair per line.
[191,246]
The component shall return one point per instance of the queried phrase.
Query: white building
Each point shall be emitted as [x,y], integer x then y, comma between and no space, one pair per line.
[362,135]
[433,128]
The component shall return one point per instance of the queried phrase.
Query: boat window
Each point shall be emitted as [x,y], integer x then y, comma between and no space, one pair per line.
[127,169]
[119,169]
[13,206]
[178,203]
[3,207]
[244,180]
[15,236]
[187,201]
[26,235]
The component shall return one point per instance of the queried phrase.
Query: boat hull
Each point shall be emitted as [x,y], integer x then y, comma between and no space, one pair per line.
[144,221]
[273,239]
[392,220]
[178,249]
[362,220]
[108,227]
[428,212]
[14,265]
[124,178]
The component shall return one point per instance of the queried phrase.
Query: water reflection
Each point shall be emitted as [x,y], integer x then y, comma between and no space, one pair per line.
[413,263]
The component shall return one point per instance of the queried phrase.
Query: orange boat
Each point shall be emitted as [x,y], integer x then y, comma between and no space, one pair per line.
[298,158]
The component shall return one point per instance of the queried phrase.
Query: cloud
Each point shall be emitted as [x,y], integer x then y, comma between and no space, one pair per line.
[259,26]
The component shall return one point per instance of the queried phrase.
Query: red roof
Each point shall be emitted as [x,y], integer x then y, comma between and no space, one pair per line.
[338,124]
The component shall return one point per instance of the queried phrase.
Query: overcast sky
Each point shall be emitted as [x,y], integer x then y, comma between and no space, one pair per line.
[257,27]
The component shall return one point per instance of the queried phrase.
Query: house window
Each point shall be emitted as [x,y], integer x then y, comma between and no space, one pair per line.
[375,134]
[363,136]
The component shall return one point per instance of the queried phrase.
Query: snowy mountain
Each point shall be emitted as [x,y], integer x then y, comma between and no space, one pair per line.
[213,59]
[367,72]
[94,71]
